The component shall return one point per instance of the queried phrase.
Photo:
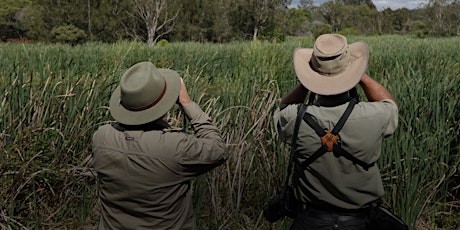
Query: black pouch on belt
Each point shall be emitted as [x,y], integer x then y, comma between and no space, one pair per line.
[381,218]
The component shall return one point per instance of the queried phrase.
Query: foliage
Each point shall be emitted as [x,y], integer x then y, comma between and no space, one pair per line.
[443,18]
[102,20]
[35,25]
[162,42]
[10,14]
[299,22]
[218,20]
[68,34]
[419,28]
[10,7]
[274,36]
[349,31]
[321,28]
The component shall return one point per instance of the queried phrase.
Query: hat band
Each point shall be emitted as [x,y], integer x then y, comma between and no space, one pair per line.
[331,65]
[130,108]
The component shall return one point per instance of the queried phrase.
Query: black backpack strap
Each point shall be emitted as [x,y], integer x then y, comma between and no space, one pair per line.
[337,149]
[320,131]
[344,117]
[311,98]
[330,139]
[342,152]
[319,152]
[301,110]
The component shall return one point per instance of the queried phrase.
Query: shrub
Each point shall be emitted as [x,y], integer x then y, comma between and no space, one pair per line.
[162,42]
[275,36]
[68,34]
[321,29]
[349,31]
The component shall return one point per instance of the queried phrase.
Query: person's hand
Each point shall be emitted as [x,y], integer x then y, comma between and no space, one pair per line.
[374,91]
[184,98]
[364,78]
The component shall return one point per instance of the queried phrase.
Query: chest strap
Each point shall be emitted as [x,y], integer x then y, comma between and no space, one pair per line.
[330,139]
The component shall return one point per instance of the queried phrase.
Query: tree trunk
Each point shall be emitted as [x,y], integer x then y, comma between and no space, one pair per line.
[151,14]
[90,33]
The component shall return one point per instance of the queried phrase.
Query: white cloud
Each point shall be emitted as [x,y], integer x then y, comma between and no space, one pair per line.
[381,4]
[393,4]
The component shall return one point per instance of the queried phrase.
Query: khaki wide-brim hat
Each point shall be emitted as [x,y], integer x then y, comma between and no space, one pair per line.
[145,94]
[332,66]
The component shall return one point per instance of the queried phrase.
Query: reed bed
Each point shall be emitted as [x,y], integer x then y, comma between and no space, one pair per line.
[55,96]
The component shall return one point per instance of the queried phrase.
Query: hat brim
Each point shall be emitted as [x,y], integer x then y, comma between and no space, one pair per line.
[331,85]
[128,117]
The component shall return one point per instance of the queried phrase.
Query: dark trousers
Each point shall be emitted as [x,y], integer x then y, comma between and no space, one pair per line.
[319,220]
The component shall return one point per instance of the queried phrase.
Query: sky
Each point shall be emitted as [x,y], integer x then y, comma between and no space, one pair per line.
[383,4]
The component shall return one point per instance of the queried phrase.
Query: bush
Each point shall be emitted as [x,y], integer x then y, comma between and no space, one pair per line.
[162,42]
[349,31]
[275,36]
[68,34]
[321,29]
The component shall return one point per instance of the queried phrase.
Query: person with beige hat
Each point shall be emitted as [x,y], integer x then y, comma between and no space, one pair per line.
[144,168]
[338,139]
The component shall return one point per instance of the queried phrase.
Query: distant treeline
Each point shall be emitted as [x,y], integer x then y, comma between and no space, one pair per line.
[152,21]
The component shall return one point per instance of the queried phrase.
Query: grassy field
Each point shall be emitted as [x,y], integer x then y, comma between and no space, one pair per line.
[55,96]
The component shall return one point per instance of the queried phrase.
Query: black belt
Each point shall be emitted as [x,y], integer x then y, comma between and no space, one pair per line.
[334,216]
[332,209]
[330,213]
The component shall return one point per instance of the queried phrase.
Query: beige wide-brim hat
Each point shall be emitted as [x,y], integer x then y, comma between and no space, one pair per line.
[332,66]
[145,94]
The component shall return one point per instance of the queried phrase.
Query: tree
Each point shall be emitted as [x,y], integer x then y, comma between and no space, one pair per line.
[443,16]
[298,21]
[359,2]
[222,29]
[262,13]
[10,15]
[335,13]
[108,20]
[44,15]
[157,17]
[400,17]
[306,4]
[68,34]
[204,20]
[363,18]
[382,21]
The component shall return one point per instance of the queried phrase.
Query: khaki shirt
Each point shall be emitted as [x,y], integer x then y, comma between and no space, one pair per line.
[336,180]
[144,177]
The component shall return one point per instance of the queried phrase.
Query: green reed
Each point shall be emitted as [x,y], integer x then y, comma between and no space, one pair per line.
[55,96]
[421,160]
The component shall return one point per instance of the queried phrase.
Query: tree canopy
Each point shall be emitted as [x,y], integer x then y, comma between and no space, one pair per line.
[215,20]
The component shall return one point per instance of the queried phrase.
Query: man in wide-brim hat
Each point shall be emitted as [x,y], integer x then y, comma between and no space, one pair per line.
[144,167]
[334,189]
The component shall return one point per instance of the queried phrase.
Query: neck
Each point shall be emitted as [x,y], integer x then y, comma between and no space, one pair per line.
[159,124]
[333,100]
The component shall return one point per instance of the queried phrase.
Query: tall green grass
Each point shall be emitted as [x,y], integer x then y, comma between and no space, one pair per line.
[55,96]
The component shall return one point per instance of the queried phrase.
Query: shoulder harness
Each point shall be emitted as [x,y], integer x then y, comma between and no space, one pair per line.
[330,138]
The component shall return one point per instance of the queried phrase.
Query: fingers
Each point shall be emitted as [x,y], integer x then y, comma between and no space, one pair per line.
[184,99]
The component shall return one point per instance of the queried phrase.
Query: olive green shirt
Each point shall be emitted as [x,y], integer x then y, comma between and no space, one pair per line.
[145,177]
[337,180]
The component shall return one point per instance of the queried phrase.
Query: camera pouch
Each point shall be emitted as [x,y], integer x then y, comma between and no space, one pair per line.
[281,205]
[382,218]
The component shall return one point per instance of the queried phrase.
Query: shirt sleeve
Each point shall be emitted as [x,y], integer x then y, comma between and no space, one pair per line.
[284,119]
[203,150]
[392,110]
